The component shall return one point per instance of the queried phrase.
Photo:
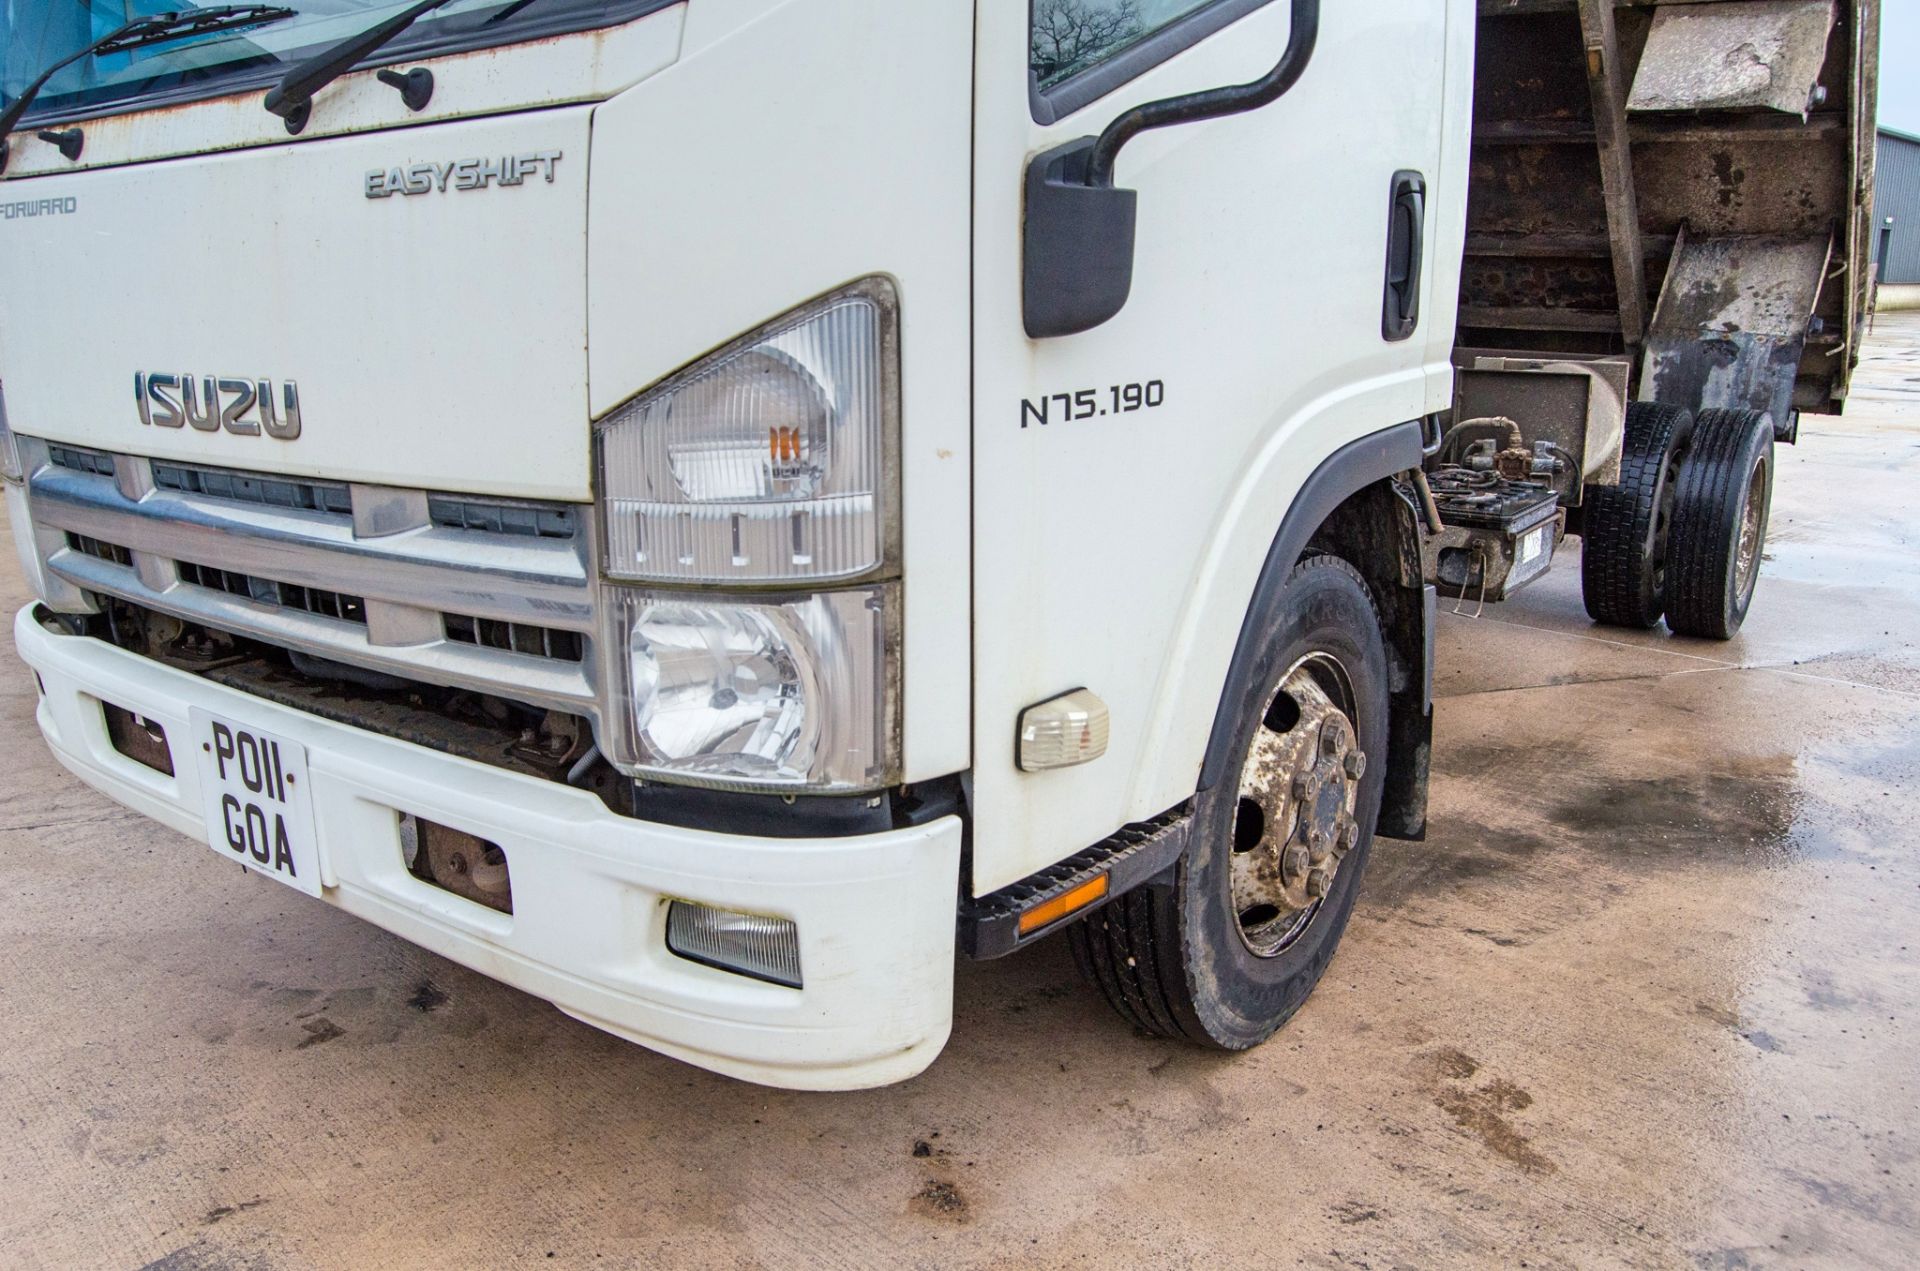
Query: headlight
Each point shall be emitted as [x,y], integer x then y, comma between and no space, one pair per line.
[774,694]
[9,453]
[771,461]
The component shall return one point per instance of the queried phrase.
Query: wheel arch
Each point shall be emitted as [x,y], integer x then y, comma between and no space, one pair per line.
[1353,507]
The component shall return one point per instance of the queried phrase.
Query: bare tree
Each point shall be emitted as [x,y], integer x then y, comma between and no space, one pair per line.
[1070,33]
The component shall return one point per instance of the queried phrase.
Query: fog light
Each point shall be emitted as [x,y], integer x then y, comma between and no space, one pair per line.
[1071,729]
[746,944]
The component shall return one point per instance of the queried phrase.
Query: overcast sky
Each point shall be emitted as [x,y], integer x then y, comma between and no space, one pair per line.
[1900,65]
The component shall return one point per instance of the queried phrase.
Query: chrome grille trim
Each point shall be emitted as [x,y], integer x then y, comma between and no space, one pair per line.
[411,580]
[510,578]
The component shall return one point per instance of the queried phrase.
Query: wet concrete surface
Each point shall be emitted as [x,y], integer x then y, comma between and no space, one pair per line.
[1647,998]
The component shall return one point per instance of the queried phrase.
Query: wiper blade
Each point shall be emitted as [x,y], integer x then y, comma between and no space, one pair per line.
[155,28]
[226,17]
[292,97]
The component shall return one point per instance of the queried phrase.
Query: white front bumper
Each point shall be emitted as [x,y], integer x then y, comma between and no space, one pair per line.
[590,888]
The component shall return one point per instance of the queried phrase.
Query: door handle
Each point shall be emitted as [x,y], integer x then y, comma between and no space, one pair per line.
[1406,256]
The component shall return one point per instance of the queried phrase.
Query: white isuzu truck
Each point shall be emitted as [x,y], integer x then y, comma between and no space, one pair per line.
[706,509]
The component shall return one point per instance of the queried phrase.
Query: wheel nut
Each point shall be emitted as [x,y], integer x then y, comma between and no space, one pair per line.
[1293,865]
[1317,883]
[1356,764]
[1349,835]
[1300,789]
[1330,741]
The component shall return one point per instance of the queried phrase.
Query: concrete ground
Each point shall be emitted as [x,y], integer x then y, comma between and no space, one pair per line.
[1649,997]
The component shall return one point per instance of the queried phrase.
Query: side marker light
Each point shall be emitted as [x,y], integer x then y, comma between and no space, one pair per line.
[1067,730]
[1061,906]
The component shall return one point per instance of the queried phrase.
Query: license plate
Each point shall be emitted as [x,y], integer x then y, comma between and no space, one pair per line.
[259,806]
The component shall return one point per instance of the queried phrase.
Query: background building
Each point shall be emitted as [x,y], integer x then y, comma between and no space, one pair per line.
[1896,206]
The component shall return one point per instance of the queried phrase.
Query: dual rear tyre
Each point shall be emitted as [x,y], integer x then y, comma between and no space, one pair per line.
[1683,532]
[1629,526]
[1720,523]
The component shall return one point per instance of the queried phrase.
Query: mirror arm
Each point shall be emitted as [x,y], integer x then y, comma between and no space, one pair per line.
[1078,229]
[1212,103]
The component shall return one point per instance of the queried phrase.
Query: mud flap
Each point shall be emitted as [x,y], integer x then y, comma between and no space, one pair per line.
[1732,325]
[1403,803]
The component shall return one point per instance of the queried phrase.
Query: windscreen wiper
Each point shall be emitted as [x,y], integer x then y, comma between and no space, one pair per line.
[292,97]
[155,28]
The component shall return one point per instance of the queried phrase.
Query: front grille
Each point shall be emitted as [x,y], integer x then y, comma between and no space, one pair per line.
[328,604]
[99,550]
[516,637]
[502,516]
[481,594]
[77,460]
[257,488]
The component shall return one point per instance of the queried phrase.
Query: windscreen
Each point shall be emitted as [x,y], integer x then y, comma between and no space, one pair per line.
[34,34]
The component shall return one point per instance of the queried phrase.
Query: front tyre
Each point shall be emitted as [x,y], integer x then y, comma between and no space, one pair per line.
[1231,950]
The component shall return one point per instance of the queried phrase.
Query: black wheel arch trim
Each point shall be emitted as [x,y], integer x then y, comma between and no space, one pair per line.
[1359,464]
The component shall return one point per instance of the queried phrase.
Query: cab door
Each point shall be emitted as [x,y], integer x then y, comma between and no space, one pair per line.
[1129,479]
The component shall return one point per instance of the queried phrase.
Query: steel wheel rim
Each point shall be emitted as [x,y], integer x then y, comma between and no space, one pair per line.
[1746,560]
[1294,819]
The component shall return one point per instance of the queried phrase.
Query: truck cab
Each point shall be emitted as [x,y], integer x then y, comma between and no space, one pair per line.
[707,510]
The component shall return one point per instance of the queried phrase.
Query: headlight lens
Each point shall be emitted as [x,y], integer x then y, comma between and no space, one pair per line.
[768,461]
[9,453]
[776,694]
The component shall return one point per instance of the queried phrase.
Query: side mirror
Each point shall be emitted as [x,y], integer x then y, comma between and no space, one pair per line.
[1079,232]
[1079,244]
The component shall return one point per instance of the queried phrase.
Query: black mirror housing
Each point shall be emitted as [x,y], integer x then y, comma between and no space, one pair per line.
[1078,245]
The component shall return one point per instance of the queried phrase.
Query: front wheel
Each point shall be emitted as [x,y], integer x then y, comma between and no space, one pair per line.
[1231,950]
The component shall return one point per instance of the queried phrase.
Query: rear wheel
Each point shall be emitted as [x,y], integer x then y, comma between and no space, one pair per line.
[1232,949]
[1625,540]
[1720,523]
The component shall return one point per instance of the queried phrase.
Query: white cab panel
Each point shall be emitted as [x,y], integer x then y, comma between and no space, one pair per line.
[1119,552]
[437,339]
[766,167]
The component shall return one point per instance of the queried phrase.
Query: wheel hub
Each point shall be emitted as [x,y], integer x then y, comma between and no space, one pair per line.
[1295,822]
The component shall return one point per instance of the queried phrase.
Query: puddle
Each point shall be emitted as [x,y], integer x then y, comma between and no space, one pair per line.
[1689,816]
